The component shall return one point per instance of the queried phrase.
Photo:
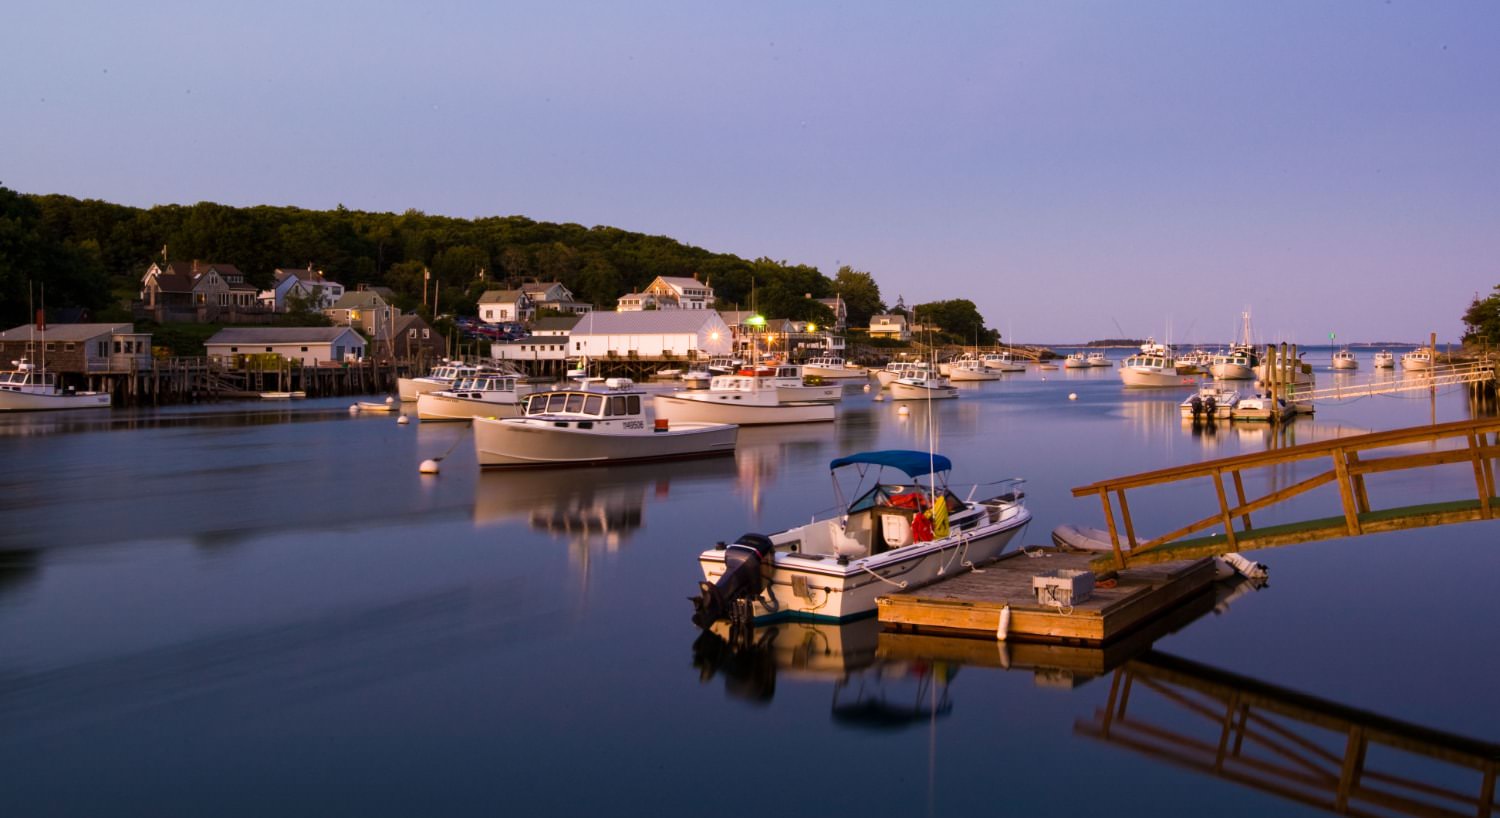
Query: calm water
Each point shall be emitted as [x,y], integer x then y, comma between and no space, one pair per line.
[252,610]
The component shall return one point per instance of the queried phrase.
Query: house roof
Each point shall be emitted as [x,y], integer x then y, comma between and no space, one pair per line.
[408,321]
[555,323]
[501,296]
[735,317]
[175,277]
[313,276]
[65,332]
[647,322]
[895,318]
[359,300]
[680,282]
[277,335]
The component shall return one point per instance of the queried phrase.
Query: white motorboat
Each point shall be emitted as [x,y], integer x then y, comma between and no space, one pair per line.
[724,365]
[1152,371]
[1077,360]
[1001,362]
[1196,362]
[697,378]
[746,400]
[30,388]
[294,395]
[833,368]
[901,369]
[441,377]
[487,395]
[1344,359]
[1259,406]
[1238,364]
[922,387]
[1384,359]
[1417,359]
[1212,400]
[591,424]
[1097,359]
[971,370]
[898,534]
[791,385]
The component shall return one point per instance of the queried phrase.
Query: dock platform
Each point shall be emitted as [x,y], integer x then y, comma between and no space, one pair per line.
[969,604]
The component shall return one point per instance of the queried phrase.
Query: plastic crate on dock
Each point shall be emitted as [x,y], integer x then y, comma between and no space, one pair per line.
[1064,586]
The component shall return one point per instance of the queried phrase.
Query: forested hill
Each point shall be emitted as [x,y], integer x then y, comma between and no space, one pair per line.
[92,254]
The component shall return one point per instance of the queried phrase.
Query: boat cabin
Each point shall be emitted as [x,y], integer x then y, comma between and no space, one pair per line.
[482,383]
[617,399]
[27,379]
[1149,361]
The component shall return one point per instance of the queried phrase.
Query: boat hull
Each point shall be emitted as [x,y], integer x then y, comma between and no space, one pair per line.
[1345,363]
[520,442]
[1232,372]
[1152,378]
[828,393]
[838,592]
[438,406]
[1416,364]
[835,372]
[35,402]
[408,389]
[722,408]
[906,391]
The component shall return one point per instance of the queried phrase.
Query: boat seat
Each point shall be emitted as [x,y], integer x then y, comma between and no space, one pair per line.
[895,529]
[829,538]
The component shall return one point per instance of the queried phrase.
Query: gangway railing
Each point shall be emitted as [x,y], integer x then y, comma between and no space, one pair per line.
[1408,381]
[1350,462]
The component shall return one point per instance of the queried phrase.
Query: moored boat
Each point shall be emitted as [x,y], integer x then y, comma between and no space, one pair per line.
[1417,359]
[1384,359]
[28,388]
[832,367]
[442,376]
[1152,370]
[745,399]
[1344,359]
[1212,400]
[922,387]
[1001,362]
[1076,360]
[487,395]
[590,424]
[897,534]
[1237,364]
[1097,358]
[901,369]
[971,370]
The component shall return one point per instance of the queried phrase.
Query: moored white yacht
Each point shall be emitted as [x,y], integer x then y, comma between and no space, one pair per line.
[1384,359]
[1097,358]
[1076,360]
[1238,364]
[745,399]
[1417,359]
[1152,370]
[485,395]
[926,386]
[829,366]
[897,534]
[1344,359]
[591,424]
[901,369]
[971,370]
[442,376]
[30,388]
[1001,362]
[1212,400]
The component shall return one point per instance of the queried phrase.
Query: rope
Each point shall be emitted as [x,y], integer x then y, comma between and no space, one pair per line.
[1034,551]
[966,562]
[456,441]
[901,584]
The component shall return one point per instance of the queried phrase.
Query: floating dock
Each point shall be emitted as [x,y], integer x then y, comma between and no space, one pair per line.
[969,604]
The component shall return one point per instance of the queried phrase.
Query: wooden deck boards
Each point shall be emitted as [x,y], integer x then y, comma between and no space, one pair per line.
[970,603]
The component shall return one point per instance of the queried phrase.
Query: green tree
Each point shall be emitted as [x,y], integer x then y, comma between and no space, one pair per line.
[860,293]
[1482,319]
[957,319]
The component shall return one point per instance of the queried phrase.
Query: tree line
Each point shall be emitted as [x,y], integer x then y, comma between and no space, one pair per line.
[93,254]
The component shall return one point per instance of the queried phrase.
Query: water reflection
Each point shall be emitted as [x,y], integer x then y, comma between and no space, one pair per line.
[1287,743]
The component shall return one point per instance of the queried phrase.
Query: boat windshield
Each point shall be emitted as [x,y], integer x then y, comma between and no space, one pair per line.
[909,496]
[588,404]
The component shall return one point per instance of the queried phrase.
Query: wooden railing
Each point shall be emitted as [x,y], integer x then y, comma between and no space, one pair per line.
[1349,463]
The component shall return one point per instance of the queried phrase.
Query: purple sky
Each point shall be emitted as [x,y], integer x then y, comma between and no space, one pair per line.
[1069,166]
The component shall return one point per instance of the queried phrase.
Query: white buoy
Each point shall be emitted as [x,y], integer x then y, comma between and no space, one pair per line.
[1004,629]
[403,420]
[428,467]
[867,387]
[878,397]
[903,410]
[1072,396]
[389,400]
[353,408]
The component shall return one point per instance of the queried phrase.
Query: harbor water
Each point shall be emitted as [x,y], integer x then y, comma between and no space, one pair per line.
[264,609]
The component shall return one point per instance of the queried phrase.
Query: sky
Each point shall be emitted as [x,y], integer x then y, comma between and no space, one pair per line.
[1079,170]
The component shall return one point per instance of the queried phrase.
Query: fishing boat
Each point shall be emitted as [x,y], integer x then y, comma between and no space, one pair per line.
[1076,360]
[697,377]
[1384,359]
[1152,370]
[1238,364]
[1097,359]
[896,534]
[485,395]
[1344,359]
[749,399]
[971,370]
[28,388]
[1001,362]
[1196,362]
[1417,359]
[790,383]
[832,367]
[1212,400]
[592,424]
[922,387]
[442,376]
[901,369]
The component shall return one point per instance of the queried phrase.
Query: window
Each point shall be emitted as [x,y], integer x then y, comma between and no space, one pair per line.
[234,349]
[268,349]
[634,403]
[102,349]
[426,333]
[117,346]
[68,347]
[593,404]
[575,402]
[411,333]
[304,349]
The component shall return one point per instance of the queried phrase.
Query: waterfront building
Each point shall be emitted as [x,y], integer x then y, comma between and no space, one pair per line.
[505,306]
[199,292]
[650,334]
[79,348]
[552,295]
[319,292]
[308,345]
[669,293]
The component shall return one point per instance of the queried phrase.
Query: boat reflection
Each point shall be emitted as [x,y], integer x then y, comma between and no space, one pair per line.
[1287,743]
[588,507]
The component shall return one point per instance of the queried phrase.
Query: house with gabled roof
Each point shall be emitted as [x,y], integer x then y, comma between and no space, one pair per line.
[890,326]
[505,306]
[368,310]
[416,340]
[669,293]
[212,291]
[309,345]
[311,286]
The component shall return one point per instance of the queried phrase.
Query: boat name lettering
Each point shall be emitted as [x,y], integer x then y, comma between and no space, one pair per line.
[635,424]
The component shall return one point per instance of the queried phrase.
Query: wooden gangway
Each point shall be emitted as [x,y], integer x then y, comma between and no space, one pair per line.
[1473,372]
[1350,462]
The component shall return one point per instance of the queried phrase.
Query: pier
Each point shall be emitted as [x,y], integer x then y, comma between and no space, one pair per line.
[971,603]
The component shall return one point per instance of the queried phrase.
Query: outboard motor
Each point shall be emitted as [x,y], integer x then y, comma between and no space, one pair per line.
[1197,404]
[1210,407]
[741,580]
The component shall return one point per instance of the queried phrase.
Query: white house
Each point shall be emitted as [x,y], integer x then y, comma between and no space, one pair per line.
[505,306]
[552,295]
[309,285]
[310,345]
[670,293]
[533,348]
[890,326]
[652,334]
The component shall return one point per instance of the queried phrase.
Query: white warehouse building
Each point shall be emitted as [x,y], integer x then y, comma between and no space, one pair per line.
[650,334]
